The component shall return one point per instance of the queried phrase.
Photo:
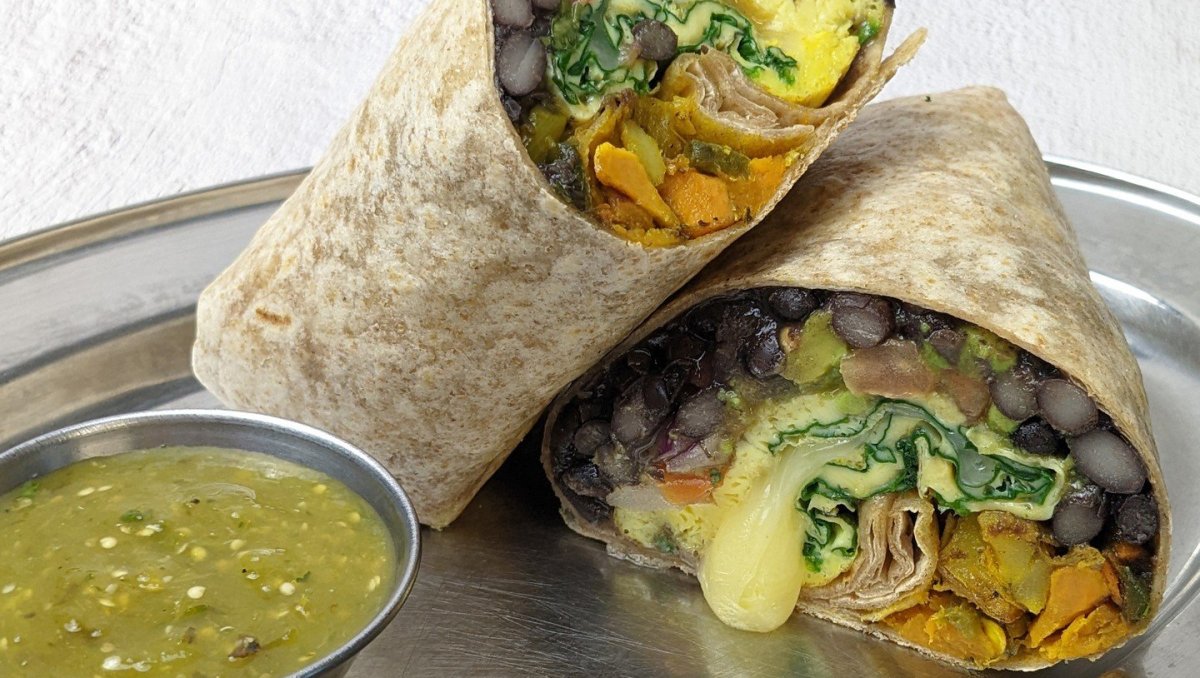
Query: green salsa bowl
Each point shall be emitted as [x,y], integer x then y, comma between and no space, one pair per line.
[30,467]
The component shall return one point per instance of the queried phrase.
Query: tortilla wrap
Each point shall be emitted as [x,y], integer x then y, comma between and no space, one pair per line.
[424,293]
[943,202]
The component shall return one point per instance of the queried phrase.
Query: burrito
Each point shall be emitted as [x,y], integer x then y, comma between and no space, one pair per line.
[898,404]
[521,188]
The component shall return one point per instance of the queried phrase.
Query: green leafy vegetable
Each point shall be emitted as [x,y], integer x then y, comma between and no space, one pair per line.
[586,44]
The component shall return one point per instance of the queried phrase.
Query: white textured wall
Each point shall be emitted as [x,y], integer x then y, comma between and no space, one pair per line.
[109,102]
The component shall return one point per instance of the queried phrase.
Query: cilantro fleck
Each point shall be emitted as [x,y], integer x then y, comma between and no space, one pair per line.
[133,516]
[868,31]
[29,489]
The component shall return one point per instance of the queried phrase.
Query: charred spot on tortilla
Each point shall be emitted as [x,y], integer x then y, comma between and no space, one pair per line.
[768,437]
[606,96]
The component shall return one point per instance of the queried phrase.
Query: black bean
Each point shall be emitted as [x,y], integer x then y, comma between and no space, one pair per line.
[512,108]
[655,393]
[861,321]
[521,64]
[542,25]
[590,436]
[702,375]
[726,363]
[618,378]
[703,320]
[1137,519]
[914,322]
[700,415]
[741,321]
[764,357]
[562,436]
[640,360]
[634,420]
[595,511]
[1108,461]
[1037,437]
[683,346]
[1066,407]
[586,481]
[515,13]
[948,344]
[793,303]
[1015,393]
[617,464]
[1079,516]
[1040,369]
[655,40]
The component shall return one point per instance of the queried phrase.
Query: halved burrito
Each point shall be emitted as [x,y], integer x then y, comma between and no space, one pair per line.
[440,275]
[899,405]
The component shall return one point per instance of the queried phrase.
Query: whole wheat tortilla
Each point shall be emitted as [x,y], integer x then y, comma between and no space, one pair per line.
[424,293]
[943,202]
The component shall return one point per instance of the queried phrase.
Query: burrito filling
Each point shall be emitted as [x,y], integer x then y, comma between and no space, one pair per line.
[859,455]
[605,96]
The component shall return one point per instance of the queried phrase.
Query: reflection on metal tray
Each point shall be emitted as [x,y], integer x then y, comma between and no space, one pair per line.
[97,319]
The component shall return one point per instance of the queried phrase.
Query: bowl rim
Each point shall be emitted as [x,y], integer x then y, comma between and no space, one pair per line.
[395,494]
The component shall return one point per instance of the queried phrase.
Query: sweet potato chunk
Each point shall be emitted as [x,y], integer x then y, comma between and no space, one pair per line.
[754,191]
[1099,630]
[1075,590]
[951,625]
[621,170]
[701,202]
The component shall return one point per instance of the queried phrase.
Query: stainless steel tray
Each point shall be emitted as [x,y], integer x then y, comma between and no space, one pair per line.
[96,319]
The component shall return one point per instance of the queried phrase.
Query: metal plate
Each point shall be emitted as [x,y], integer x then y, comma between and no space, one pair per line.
[96,319]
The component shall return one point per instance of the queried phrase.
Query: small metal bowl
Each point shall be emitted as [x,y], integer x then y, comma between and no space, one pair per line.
[280,438]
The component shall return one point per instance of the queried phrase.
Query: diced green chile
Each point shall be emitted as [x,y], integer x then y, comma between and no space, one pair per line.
[717,159]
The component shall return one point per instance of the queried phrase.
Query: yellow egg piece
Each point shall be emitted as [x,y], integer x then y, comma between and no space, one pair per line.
[822,36]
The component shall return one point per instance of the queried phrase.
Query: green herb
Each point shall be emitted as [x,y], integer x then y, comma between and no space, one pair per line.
[29,489]
[304,577]
[730,398]
[663,542]
[132,516]
[193,611]
[867,32]
[714,476]
[928,98]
